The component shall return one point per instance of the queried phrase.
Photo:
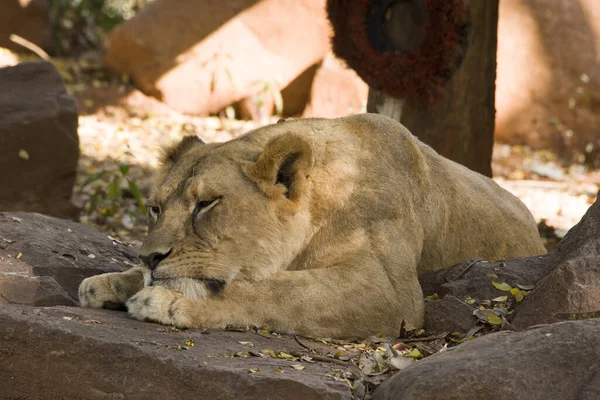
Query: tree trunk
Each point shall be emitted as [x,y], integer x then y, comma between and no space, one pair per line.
[461,127]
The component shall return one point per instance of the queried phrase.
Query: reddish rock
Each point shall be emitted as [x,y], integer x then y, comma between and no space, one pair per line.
[336,91]
[43,259]
[325,90]
[199,57]
[548,84]
[28,19]
[39,145]
[294,96]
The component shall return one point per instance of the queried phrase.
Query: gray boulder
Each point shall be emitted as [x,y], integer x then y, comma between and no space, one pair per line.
[571,289]
[39,145]
[558,361]
[76,353]
[44,259]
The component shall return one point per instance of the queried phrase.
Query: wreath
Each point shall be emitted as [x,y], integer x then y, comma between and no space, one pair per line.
[419,70]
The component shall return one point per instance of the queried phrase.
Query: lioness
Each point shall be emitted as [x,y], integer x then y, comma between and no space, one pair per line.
[316,226]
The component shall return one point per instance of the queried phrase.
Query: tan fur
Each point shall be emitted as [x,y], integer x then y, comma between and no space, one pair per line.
[315,226]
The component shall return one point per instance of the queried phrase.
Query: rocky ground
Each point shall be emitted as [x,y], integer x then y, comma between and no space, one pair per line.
[475,343]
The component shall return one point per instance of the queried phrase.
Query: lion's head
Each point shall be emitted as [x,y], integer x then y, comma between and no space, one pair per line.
[222,211]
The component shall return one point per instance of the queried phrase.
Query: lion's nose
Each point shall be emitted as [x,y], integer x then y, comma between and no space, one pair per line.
[152,259]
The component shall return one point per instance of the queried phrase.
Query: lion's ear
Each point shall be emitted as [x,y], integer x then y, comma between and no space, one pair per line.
[283,167]
[171,154]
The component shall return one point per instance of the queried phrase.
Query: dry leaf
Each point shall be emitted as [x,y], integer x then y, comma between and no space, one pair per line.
[415,354]
[368,365]
[517,294]
[505,287]
[525,287]
[23,155]
[494,319]
[270,352]
[299,367]
[285,356]
[400,362]
[483,314]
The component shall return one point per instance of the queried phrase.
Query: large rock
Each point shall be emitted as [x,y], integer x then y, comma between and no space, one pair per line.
[201,56]
[39,145]
[28,19]
[75,353]
[449,314]
[572,289]
[473,278]
[336,91]
[558,361]
[325,90]
[43,259]
[548,85]
[565,282]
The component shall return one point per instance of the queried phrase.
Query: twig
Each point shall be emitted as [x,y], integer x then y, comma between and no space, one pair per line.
[454,275]
[30,46]
[319,358]
[425,339]
[302,344]
[144,342]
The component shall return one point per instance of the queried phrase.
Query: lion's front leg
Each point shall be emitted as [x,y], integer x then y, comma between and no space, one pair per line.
[111,290]
[331,302]
[162,305]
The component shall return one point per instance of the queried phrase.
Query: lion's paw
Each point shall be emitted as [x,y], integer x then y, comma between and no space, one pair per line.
[159,304]
[106,290]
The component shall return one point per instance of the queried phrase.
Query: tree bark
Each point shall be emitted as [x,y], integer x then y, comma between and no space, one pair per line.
[461,127]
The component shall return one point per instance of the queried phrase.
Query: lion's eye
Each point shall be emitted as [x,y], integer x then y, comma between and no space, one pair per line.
[205,205]
[154,211]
